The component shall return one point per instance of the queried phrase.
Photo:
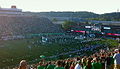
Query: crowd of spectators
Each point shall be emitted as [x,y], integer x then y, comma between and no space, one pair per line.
[99,60]
[21,25]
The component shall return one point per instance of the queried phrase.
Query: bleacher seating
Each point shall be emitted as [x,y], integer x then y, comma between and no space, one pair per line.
[20,25]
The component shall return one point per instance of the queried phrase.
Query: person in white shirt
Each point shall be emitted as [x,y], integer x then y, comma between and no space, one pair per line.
[117,59]
[78,65]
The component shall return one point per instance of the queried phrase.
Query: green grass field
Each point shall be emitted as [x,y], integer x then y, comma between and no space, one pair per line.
[13,51]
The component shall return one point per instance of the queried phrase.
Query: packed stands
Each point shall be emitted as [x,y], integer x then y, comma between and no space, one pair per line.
[21,25]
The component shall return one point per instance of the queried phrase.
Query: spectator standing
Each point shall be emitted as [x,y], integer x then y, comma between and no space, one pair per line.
[50,66]
[117,59]
[59,65]
[109,61]
[97,64]
[88,64]
[103,58]
[72,66]
[67,65]
[83,60]
[40,66]
[78,65]
[23,65]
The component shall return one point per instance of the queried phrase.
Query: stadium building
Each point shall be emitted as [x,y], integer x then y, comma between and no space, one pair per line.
[10,11]
[111,30]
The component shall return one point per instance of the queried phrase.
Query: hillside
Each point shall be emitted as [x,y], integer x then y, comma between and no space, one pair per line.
[114,16]
[111,16]
[81,14]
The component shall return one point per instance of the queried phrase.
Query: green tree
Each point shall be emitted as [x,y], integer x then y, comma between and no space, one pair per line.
[54,20]
[68,24]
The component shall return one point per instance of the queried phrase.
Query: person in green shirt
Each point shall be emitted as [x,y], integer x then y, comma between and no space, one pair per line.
[97,64]
[59,65]
[40,66]
[50,66]
[59,68]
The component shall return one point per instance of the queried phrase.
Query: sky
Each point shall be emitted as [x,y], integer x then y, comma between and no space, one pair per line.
[96,6]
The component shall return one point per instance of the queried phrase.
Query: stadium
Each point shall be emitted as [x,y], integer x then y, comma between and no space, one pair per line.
[39,42]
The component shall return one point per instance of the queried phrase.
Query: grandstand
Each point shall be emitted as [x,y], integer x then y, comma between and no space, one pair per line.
[22,25]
